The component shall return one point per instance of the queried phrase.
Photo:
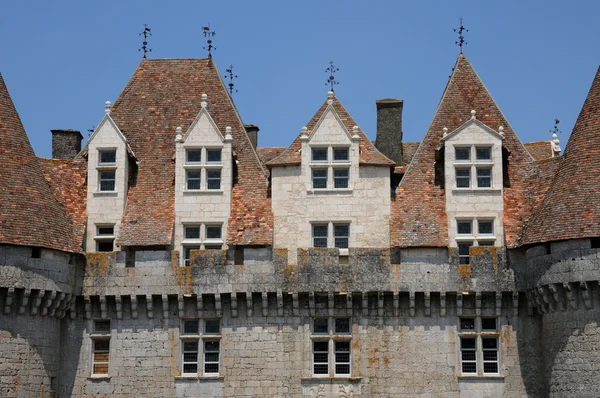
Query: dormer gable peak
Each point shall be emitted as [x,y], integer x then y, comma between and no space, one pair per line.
[473,122]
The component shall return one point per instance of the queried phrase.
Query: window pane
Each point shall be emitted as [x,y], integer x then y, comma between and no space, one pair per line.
[212,326]
[486,227]
[192,232]
[108,156]
[484,153]
[469,367]
[191,326]
[190,367]
[463,178]
[463,153]
[321,346]
[464,227]
[467,324]
[101,345]
[190,346]
[211,368]
[340,154]
[319,154]
[489,343]
[490,355]
[490,367]
[102,326]
[342,325]
[321,369]
[319,177]
[213,232]
[340,178]
[194,156]
[213,155]
[469,355]
[211,346]
[101,369]
[107,181]
[190,357]
[484,178]
[187,256]
[341,233]
[213,179]
[319,235]
[193,179]
[213,247]
[342,369]
[342,346]
[488,323]
[105,245]
[106,230]
[321,326]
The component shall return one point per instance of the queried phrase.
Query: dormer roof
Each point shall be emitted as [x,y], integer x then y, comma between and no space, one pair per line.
[369,155]
[30,214]
[571,208]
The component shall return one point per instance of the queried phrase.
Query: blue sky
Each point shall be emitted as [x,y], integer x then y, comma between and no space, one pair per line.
[61,60]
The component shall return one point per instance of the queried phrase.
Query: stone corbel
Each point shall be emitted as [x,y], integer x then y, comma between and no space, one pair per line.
[427,304]
[9,300]
[88,307]
[547,298]
[571,295]
[559,303]
[150,306]
[73,308]
[37,302]
[380,308]
[442,303]
[459,304]
[349,304]
[165,306]
[295,304]
[249,305]
[411,303]
[265,303]
[311,304]
[586,294]
[218,306]
[200,305]
[538,300]
[64,304]
[234,305]
[515,303]
[55,303]
[103,313]
[279,303]
[24,302]
[498,308]
[134,306]
[47,303]
[331,303]
[478,303]
[396,301]
[365,303]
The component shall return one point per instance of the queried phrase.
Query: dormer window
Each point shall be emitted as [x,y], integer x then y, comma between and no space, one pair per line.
[319,178]
[107,180]
[203,169]
[483,153]
[213,155]
[107,157]
[319,154]
[340,178]
[473,161]
[201,236]
[330,167]
[105,238]
[463,154]
[484,177]
[107,166]
[193,179]
[341,154]
[193,156]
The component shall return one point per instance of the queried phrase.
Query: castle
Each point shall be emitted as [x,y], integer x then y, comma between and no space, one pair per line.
[172,257]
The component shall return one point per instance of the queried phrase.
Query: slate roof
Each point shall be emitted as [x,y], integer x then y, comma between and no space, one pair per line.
[540,150]
[571,208]
[419,207]
[162,95]
[369,155]
[30,214]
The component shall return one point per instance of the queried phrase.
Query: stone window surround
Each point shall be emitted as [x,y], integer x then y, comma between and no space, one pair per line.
[473,164]
[474,238]
[331,233]
[201,337]
[331,337]
[202,241]
[106,166]
[104,237]
[330,165]
[478,333]
[203,166]
[99,335]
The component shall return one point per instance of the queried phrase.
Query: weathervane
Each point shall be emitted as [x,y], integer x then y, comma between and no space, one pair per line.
[461,39]
[555,129]
[331,70]
[146,32]
[209,34]
[231,76]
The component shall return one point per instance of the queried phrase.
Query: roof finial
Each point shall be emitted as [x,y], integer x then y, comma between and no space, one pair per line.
[228,137]
[146,32]
[178,134]
[204,102]
[473,113]
[445,130]
[355,135]
[501,130]
[555,141]
[461,39]
[209,34]
[330,97]
[107,107]
[231,76]
[304,134]
[331,70]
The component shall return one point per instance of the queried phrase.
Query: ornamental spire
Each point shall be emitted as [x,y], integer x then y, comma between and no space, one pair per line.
[331,70]
[461,38]
[146,32]
[209,34]
[230,75]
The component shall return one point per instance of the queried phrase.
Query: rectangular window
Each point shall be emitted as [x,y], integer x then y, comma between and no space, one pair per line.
[213,178]
[341,154]
[201,346]
[100,347]
[213,155]
[331,349]
[193,239]
[463,154]
[341,233]
[319,178]
[192,178]
[340,178]
[319,154]
[489,347]
[463,178]
[479,346]
[105,238]
[484,178]
[483,153]
[187,254]
[193,156]
[320,232]
[107,180]
[463,252]
[213,231]
[107,157]
[468,355]
[192,232]
[464,227]
[486,227]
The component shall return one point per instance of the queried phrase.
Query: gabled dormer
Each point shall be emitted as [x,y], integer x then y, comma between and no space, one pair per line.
[203,182]
[474,186]
[109,160]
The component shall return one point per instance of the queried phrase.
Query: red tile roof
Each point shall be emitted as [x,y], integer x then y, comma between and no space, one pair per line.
[408,152]
[419,207]
[571,209]
[30,214]
[162,95]
[540,150]
[266,154]
[369,155]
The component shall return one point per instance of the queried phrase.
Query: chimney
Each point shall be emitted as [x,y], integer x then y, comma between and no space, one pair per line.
[389,128]
[66,143]
[252,131]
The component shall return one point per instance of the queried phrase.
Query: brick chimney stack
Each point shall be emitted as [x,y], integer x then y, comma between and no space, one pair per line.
[66,143]
[389,128]
[252,131]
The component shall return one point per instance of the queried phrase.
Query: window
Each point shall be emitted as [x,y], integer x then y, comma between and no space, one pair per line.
[331,343]
[107,180]
[463,252]
[203,169]
[107,157]
[341,235]
[100,337]
[463,153]
[484,177]
[483,153]
[464,227]
[319,178]
[479,232]
[340,178]
[105,238]
[320,235]
[200,347]
[479,346]
[463,178]
[486,227]
[200,236]
[319,154]
[107,165]
[341,154]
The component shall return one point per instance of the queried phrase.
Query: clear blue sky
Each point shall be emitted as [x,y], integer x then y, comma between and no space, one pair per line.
[61,60]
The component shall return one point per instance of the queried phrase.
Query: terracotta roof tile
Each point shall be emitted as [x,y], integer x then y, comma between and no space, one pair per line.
[162,95]
[540,150]
[571,208]
[419,207]
[30,214]
[266,154]
[369,155]
[408,152]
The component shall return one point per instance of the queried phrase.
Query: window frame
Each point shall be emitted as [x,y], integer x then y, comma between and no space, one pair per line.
[332,183]
[475,238]
[201,338]
[474,164]
[314,236]
[478,334]
[205,167]
[201,242]
[319,178]
[96,336]
[332,337]
[100,238]
[331,234]
[107,150]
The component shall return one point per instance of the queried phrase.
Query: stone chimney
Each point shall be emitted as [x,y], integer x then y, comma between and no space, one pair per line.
[66,143]
[389,128]
[252,131]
